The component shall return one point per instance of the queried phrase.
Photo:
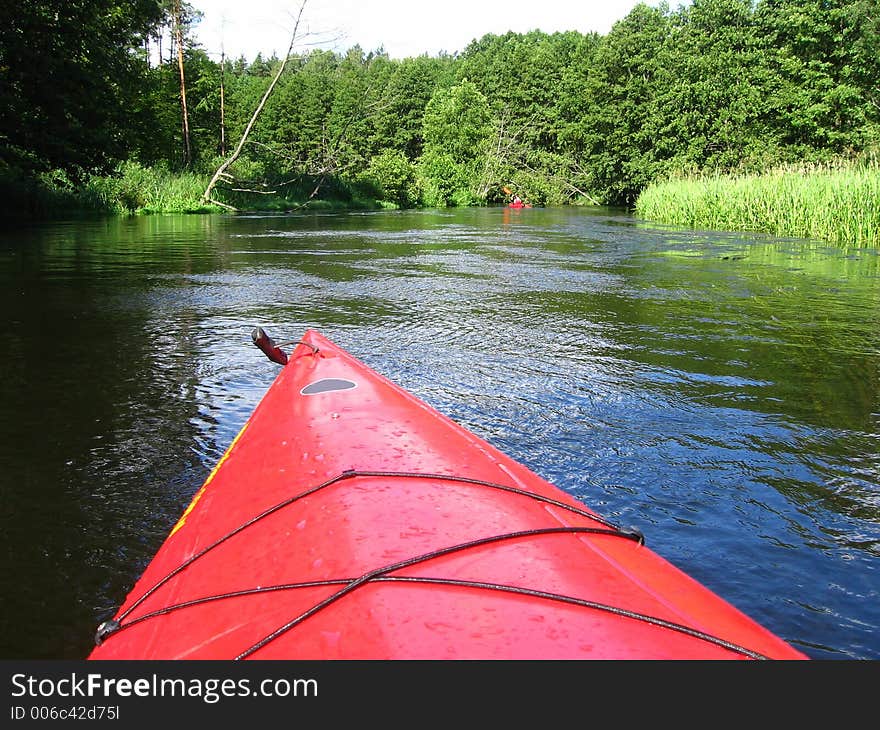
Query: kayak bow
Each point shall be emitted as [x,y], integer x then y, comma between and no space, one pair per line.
[350,520]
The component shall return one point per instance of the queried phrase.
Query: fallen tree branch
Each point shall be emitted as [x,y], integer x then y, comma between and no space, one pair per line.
[222,205]
[221,171]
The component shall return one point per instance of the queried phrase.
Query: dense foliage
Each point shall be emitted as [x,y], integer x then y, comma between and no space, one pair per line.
[720,85]
[72,76]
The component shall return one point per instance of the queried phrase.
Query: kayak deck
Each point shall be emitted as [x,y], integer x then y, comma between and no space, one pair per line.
[350,520]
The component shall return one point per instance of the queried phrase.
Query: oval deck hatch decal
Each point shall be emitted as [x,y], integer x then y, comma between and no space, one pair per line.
[328,385]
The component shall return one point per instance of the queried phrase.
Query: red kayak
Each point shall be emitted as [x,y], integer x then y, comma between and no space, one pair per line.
[350,520]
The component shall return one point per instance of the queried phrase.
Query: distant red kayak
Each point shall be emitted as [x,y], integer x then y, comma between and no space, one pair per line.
[518,205]
[349,520]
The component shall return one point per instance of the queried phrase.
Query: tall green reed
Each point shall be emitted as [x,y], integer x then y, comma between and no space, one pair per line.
[837,202]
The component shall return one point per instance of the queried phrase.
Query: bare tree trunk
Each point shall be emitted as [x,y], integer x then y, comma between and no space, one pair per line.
[178,29]
[221,171]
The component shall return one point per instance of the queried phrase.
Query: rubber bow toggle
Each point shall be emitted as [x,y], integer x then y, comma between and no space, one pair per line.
[268,346]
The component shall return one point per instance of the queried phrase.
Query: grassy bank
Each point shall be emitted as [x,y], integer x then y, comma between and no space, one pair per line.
[135,189]
[131,189]
[138,189]
[839,202]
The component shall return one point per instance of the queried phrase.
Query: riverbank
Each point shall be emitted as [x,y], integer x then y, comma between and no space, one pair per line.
[839,202]
[836,202]
[135,189]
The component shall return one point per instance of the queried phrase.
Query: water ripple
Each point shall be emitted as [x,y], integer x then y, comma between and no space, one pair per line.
[719,391]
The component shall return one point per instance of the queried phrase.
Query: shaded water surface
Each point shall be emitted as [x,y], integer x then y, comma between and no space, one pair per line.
[719,391]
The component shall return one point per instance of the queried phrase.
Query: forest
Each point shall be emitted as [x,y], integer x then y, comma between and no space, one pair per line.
[105,103]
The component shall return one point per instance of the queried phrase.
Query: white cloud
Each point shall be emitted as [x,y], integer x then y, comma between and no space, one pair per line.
[403,27]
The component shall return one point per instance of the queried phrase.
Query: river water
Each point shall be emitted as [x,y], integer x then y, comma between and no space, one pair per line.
[719,391]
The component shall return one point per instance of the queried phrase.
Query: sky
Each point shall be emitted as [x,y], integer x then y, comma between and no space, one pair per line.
[403,28]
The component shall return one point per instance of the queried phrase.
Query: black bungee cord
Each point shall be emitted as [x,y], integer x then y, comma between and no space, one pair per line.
[108,628]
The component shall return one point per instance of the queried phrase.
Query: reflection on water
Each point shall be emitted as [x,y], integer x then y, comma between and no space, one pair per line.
[720,391]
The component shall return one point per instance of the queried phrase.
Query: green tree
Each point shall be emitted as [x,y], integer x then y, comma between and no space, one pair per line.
[394,178]
[613,127]
[712,89]
[401,108]
[70,75]
[825,55]
[158,136]
[205,129]
[457,129]
[521,76]
[350,119]
[294,122]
